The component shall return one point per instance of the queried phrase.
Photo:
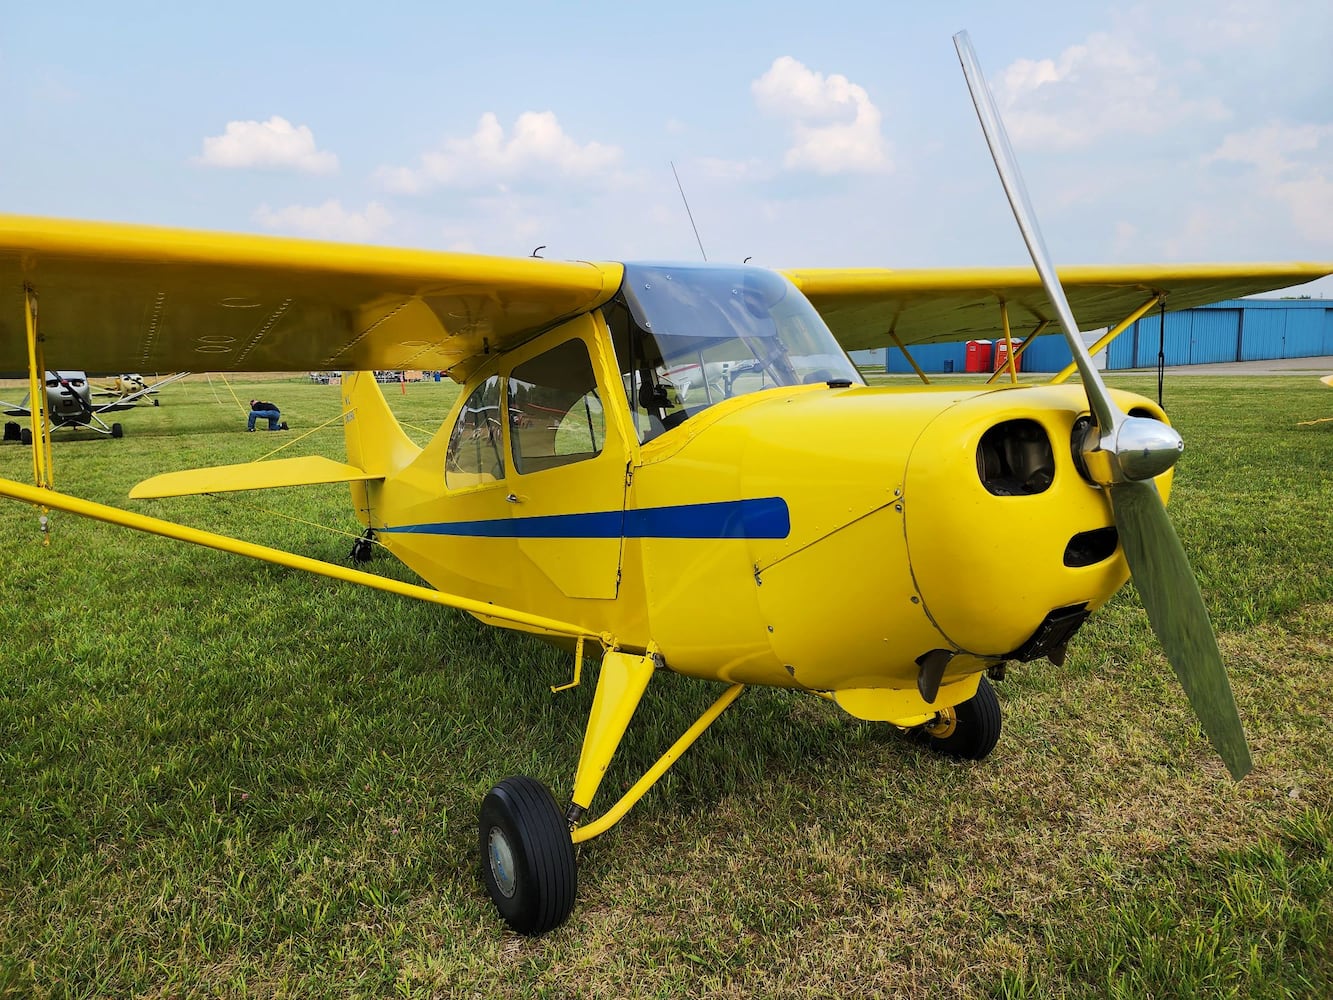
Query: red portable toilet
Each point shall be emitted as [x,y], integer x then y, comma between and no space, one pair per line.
[1002,355]
[977,358]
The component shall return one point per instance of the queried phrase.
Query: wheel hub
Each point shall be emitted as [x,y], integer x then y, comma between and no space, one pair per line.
[946,721]
[501,858]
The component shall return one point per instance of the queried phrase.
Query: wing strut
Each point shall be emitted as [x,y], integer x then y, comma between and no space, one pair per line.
[41,441]
[908,355]
[42,469]
[1111,334]
[223,543]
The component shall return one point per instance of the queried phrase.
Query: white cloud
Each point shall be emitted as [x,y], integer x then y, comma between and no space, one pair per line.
[274,143]
[730,170]
[1221,26]
[1103,87]
[327,221]
[1291,164]
[1125,237]
[1309,198]
[1271,148]
[537,147]
[835,126]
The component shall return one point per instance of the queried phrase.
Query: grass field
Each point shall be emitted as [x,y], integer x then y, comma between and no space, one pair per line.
[222,778]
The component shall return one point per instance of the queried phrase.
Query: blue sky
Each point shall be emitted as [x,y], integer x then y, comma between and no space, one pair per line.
[804,134]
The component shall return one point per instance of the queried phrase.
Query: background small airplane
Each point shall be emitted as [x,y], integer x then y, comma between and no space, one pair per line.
[69,406]
[790,526]
[135,388]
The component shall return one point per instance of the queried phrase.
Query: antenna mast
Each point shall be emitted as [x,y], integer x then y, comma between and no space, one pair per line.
[688,212]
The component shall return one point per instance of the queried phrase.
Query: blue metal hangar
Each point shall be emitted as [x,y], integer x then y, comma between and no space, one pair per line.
[1232,330]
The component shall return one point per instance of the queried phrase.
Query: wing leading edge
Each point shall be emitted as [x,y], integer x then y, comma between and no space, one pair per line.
[863,307]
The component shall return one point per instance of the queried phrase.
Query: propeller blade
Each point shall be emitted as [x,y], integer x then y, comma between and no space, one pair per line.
[1156,559]
[1104,410]
[1175,608]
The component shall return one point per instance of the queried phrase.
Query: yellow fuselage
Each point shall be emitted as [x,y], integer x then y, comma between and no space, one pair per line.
[815,537]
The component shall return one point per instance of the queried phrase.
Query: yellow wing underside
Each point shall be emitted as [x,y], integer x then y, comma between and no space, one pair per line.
[864,307]
[119,297]
[114,297]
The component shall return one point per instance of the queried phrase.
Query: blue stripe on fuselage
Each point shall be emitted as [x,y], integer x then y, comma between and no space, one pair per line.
[765,517]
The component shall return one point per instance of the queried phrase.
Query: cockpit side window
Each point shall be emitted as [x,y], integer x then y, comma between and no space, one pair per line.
[555,411]
[475,455]
[653,404]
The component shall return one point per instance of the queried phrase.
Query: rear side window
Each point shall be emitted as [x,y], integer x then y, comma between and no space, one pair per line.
[555,412]
[476,444]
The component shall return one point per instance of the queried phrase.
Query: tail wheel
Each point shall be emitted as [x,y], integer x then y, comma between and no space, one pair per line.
[527,856]
[976,727]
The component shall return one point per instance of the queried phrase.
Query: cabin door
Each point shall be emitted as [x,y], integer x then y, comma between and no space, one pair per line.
[569,461]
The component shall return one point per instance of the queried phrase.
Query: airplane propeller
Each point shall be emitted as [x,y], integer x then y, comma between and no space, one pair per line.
[1122,454]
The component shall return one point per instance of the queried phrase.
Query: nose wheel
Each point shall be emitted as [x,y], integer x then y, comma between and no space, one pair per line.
[527,856]
[968,731]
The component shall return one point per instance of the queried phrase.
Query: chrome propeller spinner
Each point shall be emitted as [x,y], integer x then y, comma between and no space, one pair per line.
[1137,449]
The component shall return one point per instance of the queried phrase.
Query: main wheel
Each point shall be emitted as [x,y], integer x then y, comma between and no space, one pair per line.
[25,436]
[976,727]
[527,856]
[117,431]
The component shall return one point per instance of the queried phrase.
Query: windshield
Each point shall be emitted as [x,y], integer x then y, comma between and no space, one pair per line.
[700,333]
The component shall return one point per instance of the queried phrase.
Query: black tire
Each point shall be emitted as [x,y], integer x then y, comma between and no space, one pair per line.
[117,431]
[25,435]
[157,402]
[978,727]
[527,856]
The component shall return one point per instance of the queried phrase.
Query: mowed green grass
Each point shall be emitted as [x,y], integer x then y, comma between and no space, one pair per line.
[218,777]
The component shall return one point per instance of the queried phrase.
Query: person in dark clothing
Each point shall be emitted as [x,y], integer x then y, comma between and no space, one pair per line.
[261,410]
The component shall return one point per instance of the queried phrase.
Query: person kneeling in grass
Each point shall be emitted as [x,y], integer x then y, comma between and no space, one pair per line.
[259,409]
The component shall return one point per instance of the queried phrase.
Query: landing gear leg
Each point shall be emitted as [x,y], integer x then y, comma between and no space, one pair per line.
[527,843]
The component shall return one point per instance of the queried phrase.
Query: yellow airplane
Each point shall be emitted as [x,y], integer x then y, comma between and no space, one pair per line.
[134,388]
[775,522]
[1328,381]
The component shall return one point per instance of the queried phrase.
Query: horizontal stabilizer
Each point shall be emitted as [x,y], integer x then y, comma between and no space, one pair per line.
[312,471]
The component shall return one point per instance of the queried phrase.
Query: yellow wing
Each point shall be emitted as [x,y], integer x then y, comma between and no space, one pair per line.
[168,300]
[864,306]
[155,299]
